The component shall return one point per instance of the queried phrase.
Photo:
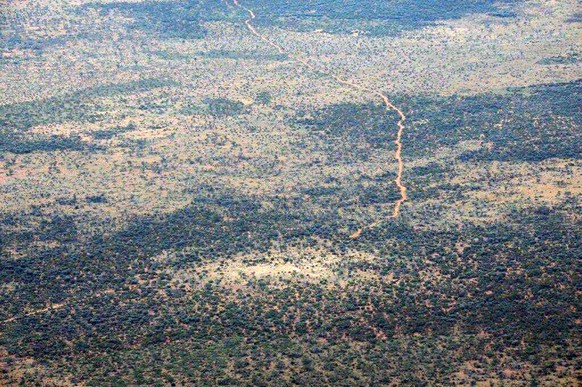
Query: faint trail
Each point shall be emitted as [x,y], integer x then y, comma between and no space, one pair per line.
[34,312]
[389,106]
[55,307]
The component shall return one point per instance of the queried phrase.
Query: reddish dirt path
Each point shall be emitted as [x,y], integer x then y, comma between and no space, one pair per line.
[389,106]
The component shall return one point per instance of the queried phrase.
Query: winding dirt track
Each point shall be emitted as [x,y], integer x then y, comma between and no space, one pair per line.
[385,99]
[389,106]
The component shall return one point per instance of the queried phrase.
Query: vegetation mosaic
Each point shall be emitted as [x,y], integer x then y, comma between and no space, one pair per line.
[257,193]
